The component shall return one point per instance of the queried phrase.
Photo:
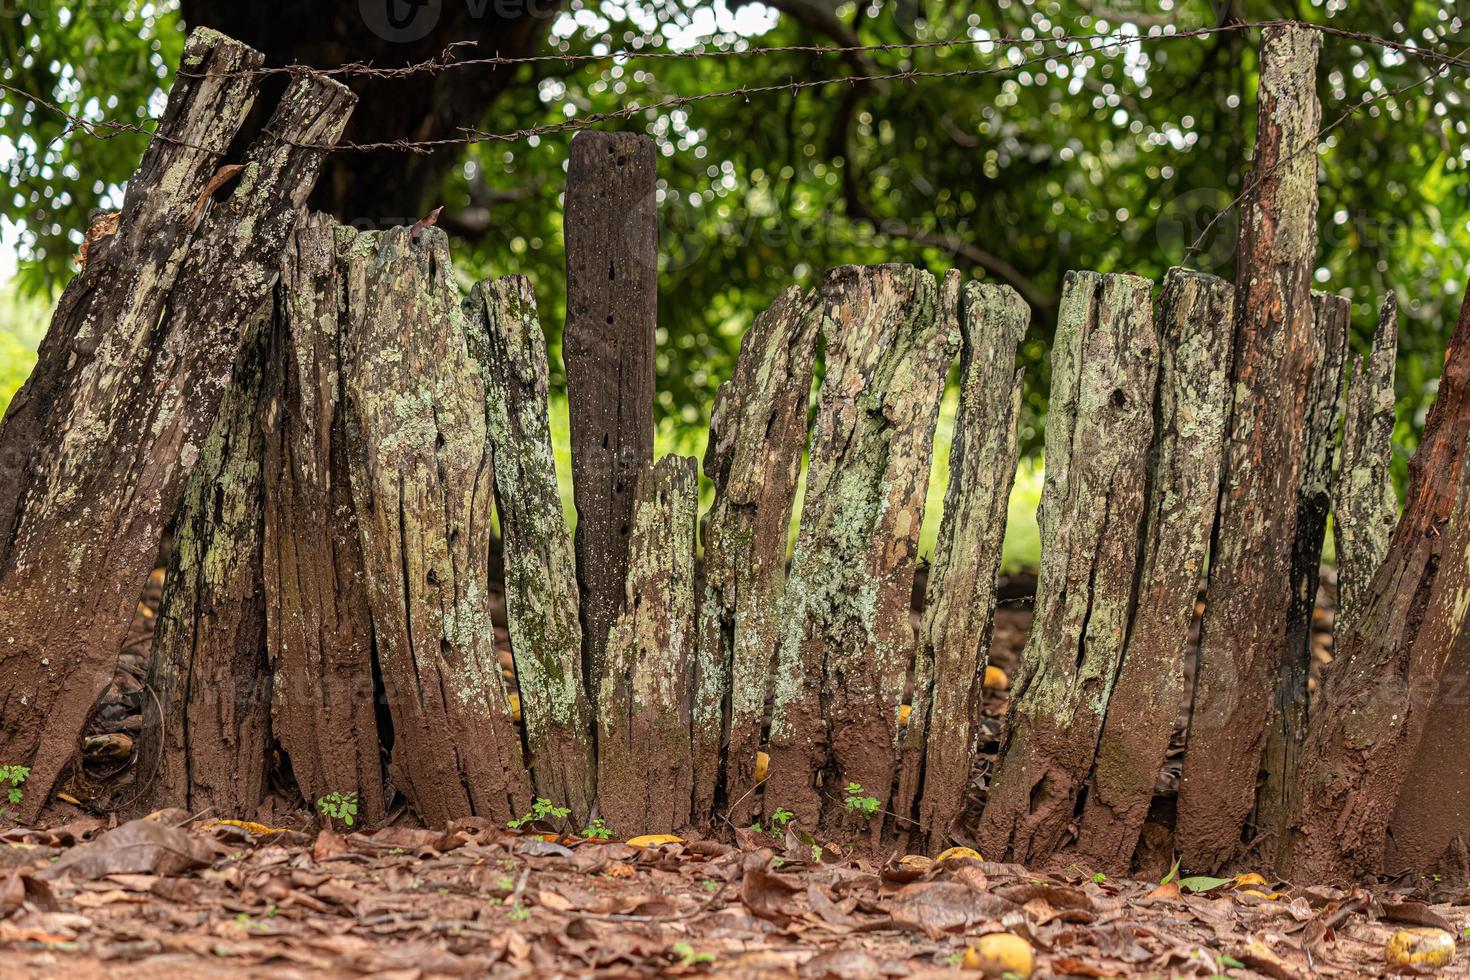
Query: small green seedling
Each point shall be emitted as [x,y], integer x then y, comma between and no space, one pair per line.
[688,957]
[597,830]
[339,806]
[858,802]
[518,913]
[781,818]
[1099,878]
[542,809]
[15,776]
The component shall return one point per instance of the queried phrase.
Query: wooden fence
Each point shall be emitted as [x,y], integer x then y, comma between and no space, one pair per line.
[332,449]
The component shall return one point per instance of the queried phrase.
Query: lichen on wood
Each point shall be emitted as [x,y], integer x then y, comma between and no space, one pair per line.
[1246,601]
[645,780]
[846,639]
[1099,428]
[540,567]
[757,437]
[420,465]
[959,603]
[319,632]
[1194,318]
[1365,508]
[140,351]
[206,737]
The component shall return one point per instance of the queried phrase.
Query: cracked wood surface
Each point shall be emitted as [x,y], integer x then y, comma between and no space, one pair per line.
[959,603]
[1246,600]
[138,356]
[540,568]
[420,464]
[645,779]
[1098,431]
[757,436]
[846,637]
[1194,320]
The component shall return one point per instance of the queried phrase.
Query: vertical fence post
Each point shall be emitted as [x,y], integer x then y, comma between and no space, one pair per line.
[611,231]
[1246,600]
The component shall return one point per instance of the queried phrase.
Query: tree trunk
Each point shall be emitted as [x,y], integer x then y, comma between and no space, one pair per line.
[847,640]
[608,344]
[1195,315]
[209,729]
[954,636]
[645,781]
[319,630]
[140,351]
[757,436]
[540,569]
[1366,508]
[1099,426]
[1383,681]
[420,464]
[1287,725]
[1249,591]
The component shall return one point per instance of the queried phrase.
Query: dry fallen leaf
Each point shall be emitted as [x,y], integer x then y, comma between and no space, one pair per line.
[138,846]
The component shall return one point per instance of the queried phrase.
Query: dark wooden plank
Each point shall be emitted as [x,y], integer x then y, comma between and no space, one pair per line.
[146,364]
[757,436]
[611,230]
[1195,319]
[1249,590]
[1099,426]
[319,634]
[420,463]
[645,779]
[847,640]
[954,636]
[540,571]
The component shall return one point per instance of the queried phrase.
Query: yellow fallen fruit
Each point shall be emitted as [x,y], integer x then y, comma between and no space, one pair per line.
[1248,880]
[258,829]
[1420,947]
[996,678]
[904,710]
[515,706]
[1257,893]
[956,853]
[654,840]
[762,765]
[1001,954]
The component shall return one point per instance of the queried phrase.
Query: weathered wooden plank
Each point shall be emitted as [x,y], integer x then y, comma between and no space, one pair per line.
[645,781]
[1365,506]
[319,632]
[420,464]
[1367,723]
[540,569]
[1249,589]
[847,640]
[1194,317]
[1287,724]
[954,636]
[611,231]
[144,373]
[207,727]
[1100,423]
[757,436]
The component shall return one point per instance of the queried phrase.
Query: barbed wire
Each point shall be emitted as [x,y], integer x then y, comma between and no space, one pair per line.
[108,129]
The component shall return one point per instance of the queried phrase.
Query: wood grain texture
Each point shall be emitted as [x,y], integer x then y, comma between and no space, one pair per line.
[645,780]
[757,436]
[611,230]
[954,636]
[1099,428]
[846,640]
[540,569]
[140,352]
[1249,590]
[1194,322]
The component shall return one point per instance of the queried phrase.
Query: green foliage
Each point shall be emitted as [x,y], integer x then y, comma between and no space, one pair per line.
[1203,883]
[339,806]
[15,776]
[688,957]
[518,913]
[855,801]
[597,829]
[541,810]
